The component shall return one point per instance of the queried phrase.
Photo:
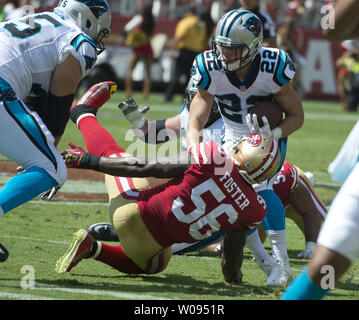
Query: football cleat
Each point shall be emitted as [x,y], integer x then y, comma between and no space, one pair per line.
[280,275]
[92,100]
[265,266]
[4,254]
[97,95]
[80,248]
[103,231]
[309,250]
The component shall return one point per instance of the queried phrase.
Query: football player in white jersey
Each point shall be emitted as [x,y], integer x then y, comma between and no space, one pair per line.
[44,54]
[237,73]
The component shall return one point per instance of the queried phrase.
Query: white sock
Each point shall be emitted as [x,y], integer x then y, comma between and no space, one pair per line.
[83,116]
[278,241]
[254,244]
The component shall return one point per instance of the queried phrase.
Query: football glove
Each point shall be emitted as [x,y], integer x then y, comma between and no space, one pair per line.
[254,127]
[72,157]
[132,112]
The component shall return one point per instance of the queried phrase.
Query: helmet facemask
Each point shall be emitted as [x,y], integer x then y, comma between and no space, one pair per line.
[241,53]
[100,47]
[98,11]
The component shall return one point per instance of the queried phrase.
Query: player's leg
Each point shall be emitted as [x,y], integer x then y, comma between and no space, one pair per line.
[138,253]
[181,248]
[25,140]
[309,212]
[260,254]
[338,244]
[100,142]
[274,224]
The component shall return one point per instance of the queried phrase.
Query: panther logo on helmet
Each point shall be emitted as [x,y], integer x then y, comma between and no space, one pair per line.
[254,25]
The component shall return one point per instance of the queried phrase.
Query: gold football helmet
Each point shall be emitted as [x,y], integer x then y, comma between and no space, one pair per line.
[257,157]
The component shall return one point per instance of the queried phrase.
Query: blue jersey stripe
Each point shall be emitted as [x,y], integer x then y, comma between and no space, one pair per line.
[204,83]
[80,39]
[280,69]
[30,127]
[225,22]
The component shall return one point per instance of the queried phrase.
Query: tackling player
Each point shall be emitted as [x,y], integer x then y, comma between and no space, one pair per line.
[211,192]
[237,73]
[291,185]
[44,54]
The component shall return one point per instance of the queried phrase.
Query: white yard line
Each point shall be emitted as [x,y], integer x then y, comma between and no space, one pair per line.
[115,294]
[23,296]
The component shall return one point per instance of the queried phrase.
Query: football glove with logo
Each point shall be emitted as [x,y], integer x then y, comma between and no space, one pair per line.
[73,156]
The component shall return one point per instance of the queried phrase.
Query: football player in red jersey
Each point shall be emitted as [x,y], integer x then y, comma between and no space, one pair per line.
[301,203]
[211,192]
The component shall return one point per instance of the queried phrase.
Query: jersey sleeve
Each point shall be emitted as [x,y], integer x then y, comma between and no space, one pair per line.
[285,182]
[202,153]
[84,50]
[284,71]
[200,73]
[210,156]
[258,210]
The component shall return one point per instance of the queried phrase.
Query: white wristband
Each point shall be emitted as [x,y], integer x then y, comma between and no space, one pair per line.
[277,133]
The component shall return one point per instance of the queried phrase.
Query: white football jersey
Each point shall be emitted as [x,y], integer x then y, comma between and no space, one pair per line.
[33,46]
[214,132]
[270,70]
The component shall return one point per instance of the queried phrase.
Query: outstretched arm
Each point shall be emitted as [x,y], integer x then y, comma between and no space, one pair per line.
[168,167]
[137,167]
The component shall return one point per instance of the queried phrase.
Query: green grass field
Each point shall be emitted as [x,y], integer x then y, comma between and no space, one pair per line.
[37,233]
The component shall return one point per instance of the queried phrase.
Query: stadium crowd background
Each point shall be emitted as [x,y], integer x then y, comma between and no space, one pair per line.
[298,26]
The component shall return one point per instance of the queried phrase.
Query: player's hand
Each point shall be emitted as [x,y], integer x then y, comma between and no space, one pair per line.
[254,127]
[48,195]
[73,156]
[234,279]
[132,112]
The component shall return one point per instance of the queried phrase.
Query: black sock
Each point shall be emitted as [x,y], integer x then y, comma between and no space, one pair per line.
[79,110]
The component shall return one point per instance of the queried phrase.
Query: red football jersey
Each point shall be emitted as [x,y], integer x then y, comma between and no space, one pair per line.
[285,182]
[211,196]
